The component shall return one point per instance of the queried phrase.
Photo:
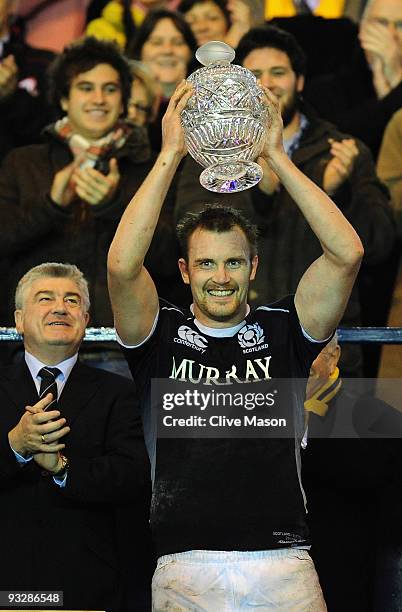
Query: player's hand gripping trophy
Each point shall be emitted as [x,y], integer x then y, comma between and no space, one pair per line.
[224,121]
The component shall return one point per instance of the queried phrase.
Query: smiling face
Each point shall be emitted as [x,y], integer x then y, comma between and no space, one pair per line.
[52,319]
[219,270]
[138,108]
[273,68]
[166,53]
[207,22]
[94,103]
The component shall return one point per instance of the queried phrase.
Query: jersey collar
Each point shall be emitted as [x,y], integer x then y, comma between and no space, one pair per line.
[222,332]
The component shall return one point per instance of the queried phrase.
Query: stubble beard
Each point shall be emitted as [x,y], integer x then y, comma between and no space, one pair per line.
[290,109]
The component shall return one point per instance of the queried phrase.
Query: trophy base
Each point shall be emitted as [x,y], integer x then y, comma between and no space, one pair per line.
[231,176]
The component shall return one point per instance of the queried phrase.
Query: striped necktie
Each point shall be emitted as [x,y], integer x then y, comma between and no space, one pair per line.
[48,384]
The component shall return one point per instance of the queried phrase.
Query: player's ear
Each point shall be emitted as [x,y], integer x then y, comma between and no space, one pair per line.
[19,320]
[300,83]
[64,103]
[254,265]
[184,270]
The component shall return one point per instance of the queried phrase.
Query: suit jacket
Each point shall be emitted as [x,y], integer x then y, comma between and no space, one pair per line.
[70,539]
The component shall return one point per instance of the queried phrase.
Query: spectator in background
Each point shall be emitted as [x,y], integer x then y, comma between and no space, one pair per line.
[52,25]
[340,165]
[144,101]
[217,19]
[389,164]
[23,111]
[166,46]
[362,97]
[121,18]
[63,199]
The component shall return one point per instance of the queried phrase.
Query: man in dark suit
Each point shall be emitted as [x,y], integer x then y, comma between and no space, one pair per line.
[72,456]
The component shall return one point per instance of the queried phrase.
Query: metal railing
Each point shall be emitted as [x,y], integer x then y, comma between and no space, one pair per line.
[361,335]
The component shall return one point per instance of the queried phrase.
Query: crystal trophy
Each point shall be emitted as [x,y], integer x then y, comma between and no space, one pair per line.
[224,121]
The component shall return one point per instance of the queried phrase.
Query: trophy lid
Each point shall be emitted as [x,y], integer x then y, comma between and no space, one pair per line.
[215,51]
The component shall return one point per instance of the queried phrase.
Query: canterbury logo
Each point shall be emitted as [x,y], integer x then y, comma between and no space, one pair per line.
[186,333]
[251,335]
[191,338]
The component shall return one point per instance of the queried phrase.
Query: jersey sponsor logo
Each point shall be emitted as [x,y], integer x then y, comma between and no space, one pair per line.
[190,371]
[251,338]
[190,337]
[285,537]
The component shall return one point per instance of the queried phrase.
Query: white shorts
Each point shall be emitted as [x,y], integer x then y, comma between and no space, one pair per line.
[215,581]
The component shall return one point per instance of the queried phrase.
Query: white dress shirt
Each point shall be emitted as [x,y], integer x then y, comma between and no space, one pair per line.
[34,366]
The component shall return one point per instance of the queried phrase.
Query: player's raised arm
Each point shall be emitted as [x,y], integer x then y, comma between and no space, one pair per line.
[132,291]
[325,287]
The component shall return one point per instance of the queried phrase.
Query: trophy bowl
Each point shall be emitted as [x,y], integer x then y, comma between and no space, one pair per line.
[224,121]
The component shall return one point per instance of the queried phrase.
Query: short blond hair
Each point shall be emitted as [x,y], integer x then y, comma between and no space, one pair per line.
[52,270]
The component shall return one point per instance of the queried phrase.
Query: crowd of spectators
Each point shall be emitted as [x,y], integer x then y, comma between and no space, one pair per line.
[83,89]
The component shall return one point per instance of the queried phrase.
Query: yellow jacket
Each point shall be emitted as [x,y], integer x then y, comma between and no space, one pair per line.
[110,25]
[286,8]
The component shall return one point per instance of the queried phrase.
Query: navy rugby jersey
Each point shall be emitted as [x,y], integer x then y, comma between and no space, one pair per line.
[236,493]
